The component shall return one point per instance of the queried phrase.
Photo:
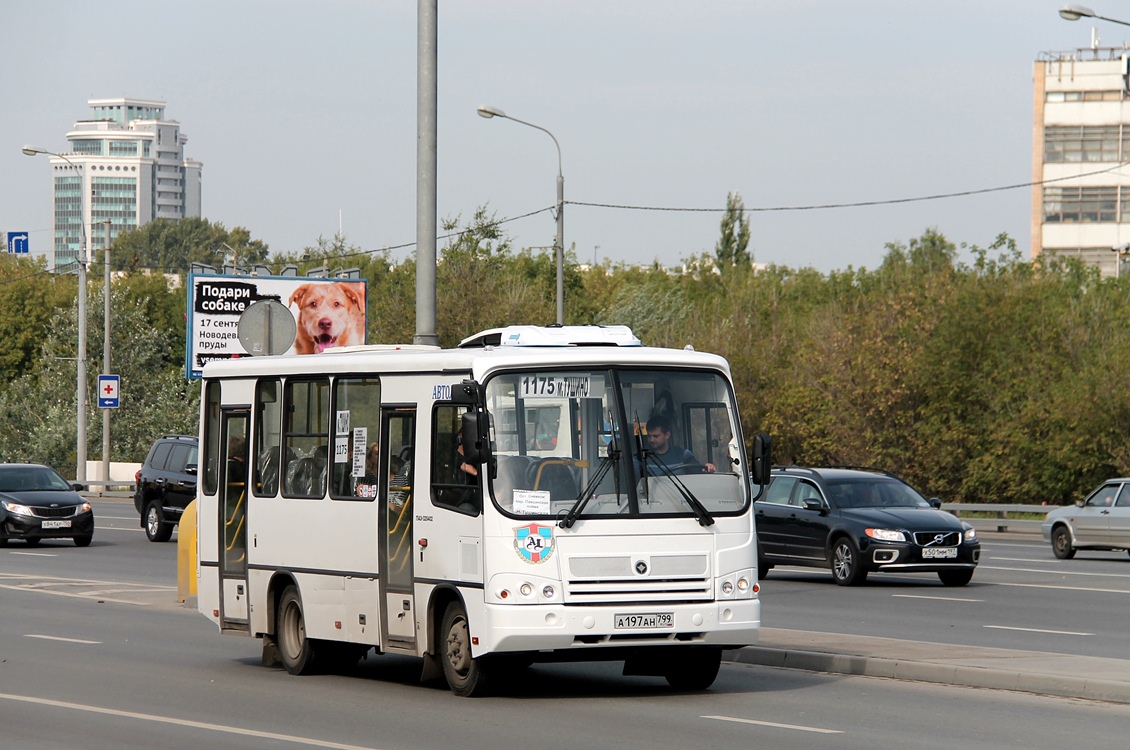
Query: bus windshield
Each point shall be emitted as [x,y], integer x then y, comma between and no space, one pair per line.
[615,442]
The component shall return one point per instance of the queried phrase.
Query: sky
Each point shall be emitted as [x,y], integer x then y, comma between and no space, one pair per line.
[303,114]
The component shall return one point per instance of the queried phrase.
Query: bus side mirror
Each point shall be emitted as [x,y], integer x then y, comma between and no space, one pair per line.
[474,434]
[762,462]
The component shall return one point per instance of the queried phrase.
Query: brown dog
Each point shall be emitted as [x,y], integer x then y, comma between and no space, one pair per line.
[329,314]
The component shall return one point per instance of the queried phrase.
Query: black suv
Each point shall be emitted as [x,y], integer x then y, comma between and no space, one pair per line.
[859,520]
[166,483]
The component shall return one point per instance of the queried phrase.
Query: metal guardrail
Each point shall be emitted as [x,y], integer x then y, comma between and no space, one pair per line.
[110,488]
[1002,521]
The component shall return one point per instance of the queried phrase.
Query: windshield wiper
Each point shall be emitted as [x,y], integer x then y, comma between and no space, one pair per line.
[613,458]
[701,514]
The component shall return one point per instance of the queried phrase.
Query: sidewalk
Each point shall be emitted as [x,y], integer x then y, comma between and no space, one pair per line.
[1062,675]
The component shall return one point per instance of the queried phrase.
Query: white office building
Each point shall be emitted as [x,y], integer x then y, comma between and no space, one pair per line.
[1080,140]
[126,165]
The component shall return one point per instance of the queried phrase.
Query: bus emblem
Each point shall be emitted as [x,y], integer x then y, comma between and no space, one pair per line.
[534,543]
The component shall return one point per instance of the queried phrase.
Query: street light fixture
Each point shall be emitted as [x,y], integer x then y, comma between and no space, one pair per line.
[1073,12]
[81,385]
[559,242]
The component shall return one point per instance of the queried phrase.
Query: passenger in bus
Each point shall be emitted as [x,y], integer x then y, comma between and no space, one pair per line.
[237,460]
[400,485]
[469,470]
[676,458]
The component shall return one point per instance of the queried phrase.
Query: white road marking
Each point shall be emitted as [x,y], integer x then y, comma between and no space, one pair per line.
[35,554]
[1063,588]
[1022,559]
[937,598]
[1056,572]
[1034,630]
[226,729]
[67,593]
[57,638]
[774,724]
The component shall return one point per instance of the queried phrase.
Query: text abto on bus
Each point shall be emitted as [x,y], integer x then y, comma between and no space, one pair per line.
[536,495]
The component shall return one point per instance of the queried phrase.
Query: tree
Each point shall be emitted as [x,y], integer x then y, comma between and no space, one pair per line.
[172,245]
[732,247]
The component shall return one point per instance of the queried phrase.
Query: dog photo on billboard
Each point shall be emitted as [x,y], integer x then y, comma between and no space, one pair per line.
[328,314]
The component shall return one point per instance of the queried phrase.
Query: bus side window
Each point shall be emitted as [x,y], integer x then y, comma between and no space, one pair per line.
[306,437]
[452,486]
[267,436]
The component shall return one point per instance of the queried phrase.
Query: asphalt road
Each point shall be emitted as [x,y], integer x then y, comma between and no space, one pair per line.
[94,653]
[1021,597]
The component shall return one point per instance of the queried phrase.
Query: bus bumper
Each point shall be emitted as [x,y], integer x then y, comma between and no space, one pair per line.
[510,628]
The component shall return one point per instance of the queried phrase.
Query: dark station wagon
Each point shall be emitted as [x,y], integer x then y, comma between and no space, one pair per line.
[857,521]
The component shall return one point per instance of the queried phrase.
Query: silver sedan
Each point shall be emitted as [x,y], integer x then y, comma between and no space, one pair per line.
[1101,521]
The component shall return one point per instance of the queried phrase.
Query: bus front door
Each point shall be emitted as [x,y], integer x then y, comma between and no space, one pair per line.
[233,522]
[396,545]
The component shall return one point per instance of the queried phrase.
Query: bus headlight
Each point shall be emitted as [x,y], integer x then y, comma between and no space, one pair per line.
[548,592]
[738,585]
[526,589]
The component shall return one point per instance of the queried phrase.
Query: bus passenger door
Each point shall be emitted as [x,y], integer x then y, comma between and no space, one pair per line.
[395,526]
[233,521]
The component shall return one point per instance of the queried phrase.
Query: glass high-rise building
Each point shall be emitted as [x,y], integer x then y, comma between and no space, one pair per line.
[125,165]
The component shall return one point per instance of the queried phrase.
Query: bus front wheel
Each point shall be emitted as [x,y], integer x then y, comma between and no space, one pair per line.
[295,649]
[693,669]
[466,675]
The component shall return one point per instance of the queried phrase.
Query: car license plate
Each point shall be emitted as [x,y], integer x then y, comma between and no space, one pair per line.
[936,552]
[654,620]
[56,524]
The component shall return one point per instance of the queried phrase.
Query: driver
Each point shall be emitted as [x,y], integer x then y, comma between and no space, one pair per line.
[675,457]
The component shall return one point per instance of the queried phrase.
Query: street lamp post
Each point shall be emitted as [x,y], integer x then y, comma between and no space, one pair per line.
[559,242]
[1075,12]
[106,356]
[81,385]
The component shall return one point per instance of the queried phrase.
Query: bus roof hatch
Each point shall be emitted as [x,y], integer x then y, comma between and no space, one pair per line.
[589,335]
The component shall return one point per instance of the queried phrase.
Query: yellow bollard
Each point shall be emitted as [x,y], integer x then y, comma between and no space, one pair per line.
[186,553]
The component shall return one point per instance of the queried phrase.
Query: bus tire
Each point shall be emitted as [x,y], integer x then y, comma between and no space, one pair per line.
[296,651]
[693,668]
[466,675]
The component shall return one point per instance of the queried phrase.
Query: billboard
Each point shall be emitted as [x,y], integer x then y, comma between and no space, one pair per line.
[327,313]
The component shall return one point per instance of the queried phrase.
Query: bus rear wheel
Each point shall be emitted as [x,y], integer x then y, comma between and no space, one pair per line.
[466,675]
[693,669]
[296,651]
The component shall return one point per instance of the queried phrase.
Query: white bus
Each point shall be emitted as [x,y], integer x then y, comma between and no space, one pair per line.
[393,498]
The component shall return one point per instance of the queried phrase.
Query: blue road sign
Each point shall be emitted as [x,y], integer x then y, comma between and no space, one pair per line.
[17,243]
[109,391]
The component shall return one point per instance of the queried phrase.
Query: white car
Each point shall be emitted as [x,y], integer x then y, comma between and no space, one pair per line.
[1102,521]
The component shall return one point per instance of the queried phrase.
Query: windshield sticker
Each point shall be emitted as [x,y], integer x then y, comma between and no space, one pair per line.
[584,385]
[531,502]
[534,543]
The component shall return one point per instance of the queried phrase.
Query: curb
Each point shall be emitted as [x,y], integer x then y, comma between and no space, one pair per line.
[1063,686]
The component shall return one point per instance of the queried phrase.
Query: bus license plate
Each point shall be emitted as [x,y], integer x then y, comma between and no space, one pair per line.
[935,552]
[655,620]
[56,524]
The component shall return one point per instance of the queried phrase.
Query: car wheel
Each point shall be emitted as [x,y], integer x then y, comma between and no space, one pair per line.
[84,541]
[156,527]
[846,568]
[3,541]
[693,669]
[957,577]
[32,541]
[466,675]
[298,653]
[1061,543]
